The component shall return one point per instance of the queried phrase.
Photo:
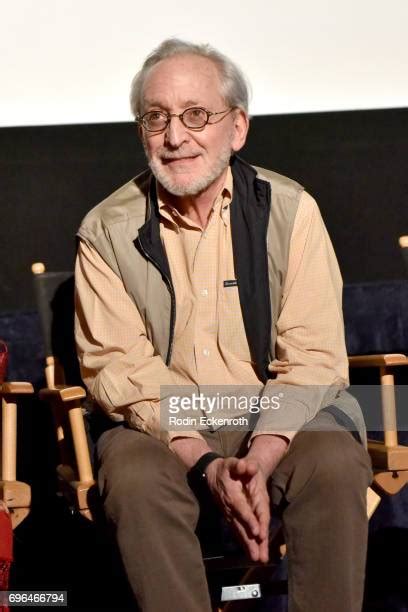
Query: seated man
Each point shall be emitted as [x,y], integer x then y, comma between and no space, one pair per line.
[204,270]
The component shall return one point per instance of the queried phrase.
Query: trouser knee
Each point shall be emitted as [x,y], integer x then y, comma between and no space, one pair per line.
[327,465]
[139,476]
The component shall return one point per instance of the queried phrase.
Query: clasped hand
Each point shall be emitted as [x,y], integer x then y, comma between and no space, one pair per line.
[239,487]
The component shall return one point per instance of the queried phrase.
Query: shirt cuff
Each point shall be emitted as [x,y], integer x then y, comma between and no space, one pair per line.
[168,436]
[288,435]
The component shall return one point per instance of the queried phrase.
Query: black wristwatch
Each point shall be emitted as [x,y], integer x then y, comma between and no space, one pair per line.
[197,473]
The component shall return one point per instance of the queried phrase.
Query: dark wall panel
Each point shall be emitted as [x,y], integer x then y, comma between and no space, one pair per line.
[354,163]
[50,177]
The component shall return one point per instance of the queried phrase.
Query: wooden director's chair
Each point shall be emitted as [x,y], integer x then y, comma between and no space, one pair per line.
[15,494]
[75,474]
[390,459]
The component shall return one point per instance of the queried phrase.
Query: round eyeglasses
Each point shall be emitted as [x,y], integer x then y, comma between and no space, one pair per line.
[194,118]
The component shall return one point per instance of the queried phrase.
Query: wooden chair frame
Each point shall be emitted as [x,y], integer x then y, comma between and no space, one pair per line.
[390,459]
[76,481]
[16,494]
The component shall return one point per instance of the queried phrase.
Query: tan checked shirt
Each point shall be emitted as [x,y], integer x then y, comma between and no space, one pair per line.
[210,345]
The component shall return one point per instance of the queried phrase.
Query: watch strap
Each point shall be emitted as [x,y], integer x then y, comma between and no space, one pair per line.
[199,468]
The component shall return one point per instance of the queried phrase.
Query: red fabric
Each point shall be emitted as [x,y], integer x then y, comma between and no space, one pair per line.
[3,361]
[6,530]
[6,552]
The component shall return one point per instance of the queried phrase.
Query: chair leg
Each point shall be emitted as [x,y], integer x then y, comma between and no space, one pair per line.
[389,412]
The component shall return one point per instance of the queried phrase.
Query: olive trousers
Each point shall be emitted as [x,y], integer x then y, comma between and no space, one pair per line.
[319,489]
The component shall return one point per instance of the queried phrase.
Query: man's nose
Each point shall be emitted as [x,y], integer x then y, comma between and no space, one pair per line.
[176,133]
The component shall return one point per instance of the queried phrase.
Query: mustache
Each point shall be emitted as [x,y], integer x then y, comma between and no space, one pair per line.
[169,155]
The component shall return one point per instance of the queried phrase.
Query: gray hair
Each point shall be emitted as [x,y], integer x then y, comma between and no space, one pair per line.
[233,82]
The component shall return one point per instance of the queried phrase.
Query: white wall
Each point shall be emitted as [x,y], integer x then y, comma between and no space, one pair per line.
[71,61]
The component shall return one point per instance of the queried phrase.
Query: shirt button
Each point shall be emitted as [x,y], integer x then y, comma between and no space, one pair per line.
[204,292]
[206,352]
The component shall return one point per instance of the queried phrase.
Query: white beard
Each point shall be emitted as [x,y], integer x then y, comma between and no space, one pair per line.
[194,185]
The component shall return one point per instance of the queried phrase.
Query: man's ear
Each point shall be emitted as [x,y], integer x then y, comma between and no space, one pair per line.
[139,130]
[241,127]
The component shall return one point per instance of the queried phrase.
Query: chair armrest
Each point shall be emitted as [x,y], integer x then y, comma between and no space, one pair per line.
[16,388]
[382,360]
[63,393]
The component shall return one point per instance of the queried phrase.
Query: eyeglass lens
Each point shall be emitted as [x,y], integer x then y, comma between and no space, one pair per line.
[191,118]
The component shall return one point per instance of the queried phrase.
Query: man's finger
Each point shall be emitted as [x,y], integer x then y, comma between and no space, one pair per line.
[244,469]
[250,544]
[261,508]
[260,551]
[263,550]
[241,510]
[258,498]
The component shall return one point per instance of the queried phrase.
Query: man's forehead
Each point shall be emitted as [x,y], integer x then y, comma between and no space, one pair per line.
[187,103]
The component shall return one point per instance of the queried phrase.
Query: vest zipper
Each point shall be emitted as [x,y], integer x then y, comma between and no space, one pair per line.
[272,348]
[172,296]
